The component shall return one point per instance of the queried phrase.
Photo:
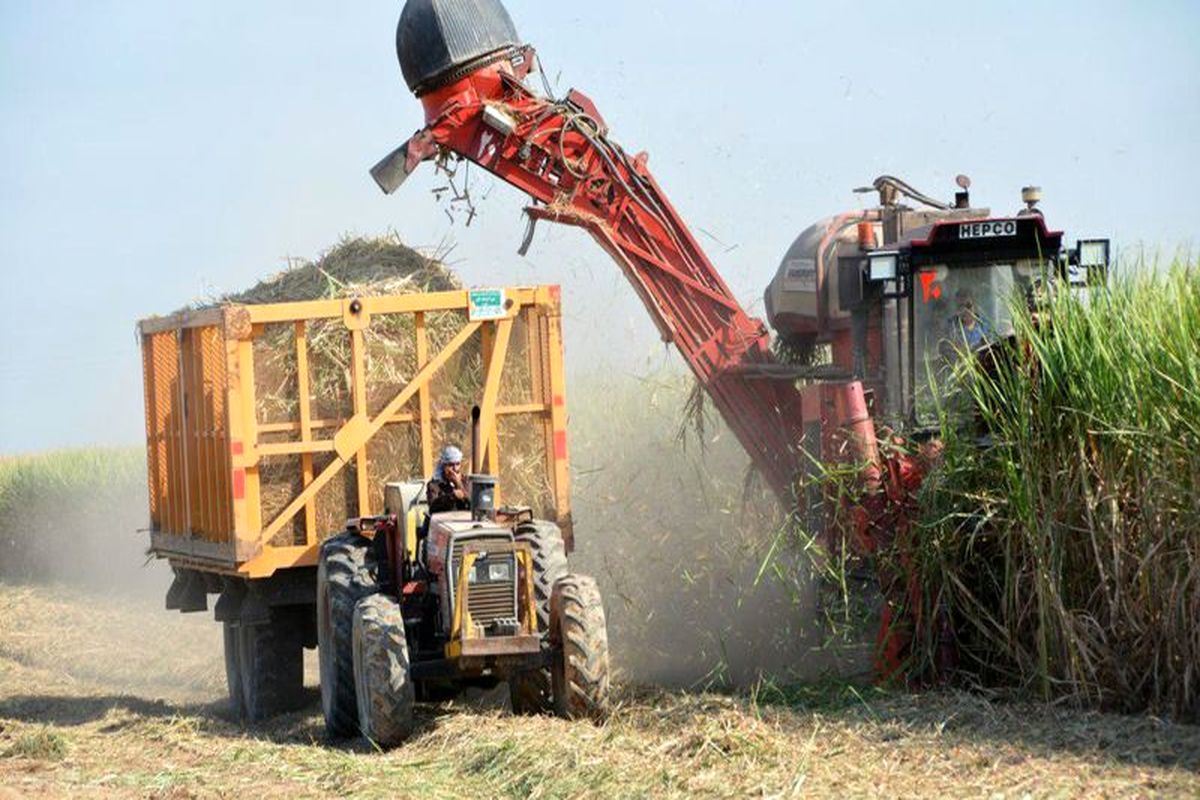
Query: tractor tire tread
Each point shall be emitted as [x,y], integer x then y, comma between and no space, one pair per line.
[579,636]
[384,688]
[345,575]
[233,669]
[271,660]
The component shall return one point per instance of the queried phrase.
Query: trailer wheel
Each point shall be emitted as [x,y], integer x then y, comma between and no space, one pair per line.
[233,670]
[271,657]
[531,691]
[579,638]
[383,686]
[345,575]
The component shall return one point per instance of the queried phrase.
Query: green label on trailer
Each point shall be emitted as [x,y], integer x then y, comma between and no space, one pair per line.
[486,304]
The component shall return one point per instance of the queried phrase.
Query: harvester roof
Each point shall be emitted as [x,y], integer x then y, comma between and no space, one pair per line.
[981,240]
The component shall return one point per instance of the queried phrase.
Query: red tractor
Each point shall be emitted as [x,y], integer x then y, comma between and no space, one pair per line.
[887,294]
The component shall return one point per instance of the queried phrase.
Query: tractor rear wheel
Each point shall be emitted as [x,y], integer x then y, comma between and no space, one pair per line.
[345,575]
[271,660]
[579,638]
[383,685]
[530,691]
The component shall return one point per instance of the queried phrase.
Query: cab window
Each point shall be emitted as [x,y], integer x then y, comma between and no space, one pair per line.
[958,310]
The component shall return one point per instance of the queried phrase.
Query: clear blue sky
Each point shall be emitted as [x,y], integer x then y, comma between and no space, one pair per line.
[152,152]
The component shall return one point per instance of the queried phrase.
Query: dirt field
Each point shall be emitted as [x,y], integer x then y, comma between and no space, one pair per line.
[103,697]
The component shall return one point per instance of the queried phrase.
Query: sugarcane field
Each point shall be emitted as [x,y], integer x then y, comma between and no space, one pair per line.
[489,398]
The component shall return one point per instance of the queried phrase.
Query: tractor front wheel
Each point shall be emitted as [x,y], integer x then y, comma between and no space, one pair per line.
[382,683]
[579,649]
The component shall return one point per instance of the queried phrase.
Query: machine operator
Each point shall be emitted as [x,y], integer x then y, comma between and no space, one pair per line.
[966,326]
[447,491]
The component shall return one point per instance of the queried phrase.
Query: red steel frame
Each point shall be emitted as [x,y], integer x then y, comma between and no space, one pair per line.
[559,155]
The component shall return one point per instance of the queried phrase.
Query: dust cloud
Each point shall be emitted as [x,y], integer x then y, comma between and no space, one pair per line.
[89,535]
[699,587]
[80,601]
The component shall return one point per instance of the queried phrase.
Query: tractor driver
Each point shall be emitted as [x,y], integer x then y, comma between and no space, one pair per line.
[448,490]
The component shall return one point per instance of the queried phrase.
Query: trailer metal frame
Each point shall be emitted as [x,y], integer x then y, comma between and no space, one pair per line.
[206,444]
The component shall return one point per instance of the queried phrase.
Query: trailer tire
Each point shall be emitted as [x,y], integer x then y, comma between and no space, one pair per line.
[271,660]
[383,685]
[233,669]
[531,691]
[345,574]
[579,642]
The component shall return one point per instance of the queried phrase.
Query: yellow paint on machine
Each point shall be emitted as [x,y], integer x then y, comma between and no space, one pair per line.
[206,445]
[462,627]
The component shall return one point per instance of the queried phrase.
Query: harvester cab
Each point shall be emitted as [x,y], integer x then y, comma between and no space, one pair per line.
[413,605]
[899,294]
[900,300]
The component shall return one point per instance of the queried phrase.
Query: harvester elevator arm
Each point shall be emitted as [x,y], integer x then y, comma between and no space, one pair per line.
[558,152]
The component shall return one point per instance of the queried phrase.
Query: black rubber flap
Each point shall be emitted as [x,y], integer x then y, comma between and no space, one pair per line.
[435,38]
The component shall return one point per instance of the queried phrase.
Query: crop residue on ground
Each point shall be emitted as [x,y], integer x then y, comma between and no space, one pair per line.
[157,728]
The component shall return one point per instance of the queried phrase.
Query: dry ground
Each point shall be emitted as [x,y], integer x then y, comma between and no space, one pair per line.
[103,697]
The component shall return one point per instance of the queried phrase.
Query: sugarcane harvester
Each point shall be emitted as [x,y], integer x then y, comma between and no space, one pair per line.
[847,285]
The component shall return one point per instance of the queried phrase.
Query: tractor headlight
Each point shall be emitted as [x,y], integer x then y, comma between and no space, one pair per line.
[491,571]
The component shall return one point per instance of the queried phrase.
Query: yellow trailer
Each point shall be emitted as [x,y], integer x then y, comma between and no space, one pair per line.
[268,427]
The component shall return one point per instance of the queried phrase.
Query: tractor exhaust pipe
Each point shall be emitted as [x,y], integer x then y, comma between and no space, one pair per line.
[483,487]
[476,461]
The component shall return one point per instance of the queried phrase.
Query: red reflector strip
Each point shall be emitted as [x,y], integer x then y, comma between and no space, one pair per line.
[235,448]
[560,444]
[239,484]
